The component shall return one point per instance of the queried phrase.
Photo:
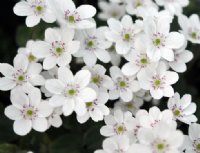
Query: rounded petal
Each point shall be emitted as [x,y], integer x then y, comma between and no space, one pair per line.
[69,107]
[40,124]
[21,62]
[13,113]
[156,94]
[57,100]
[64,59]
[54,86]
[87,94]
[103,55]
[65,75]
[86,11]
[35,97]
[49,16]
[22,127]
[22,9]
[82,78]
[32,20]
[130,69]
[126,95]
[171,77]
[6,69]
[44,109]
[49,62]
[175,40]
[41,49]
[80,107]
[90,59]
[167,54]
[19,99]
[107,131]
[6,84]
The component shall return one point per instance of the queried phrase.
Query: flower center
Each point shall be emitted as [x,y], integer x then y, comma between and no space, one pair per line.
[96,79]
[58,50]
[20,78]
[157,83]
[198,146]
[194,35]
[143,61]
[31,57]
[160,146]
[129,105]
[71,19]
[90,44]
[89,104]
[157,42]
[127,37]
[71,92]
[177,113]
[122,84]
[29,112]
[38,8]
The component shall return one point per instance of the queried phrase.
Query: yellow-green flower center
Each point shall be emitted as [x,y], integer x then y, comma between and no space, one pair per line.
[58,50]
[143,61]
[129,105]
[71,92]
[198,146]
[29,112]
[177,113]
[39,8]
[120,128]
[96,79]
[31,58]
[127,37]
[71,19]
[21,78]
[157,83]
[194,35]
[157,42]
[90,44]
[89,104]
[160,146]
[122,84]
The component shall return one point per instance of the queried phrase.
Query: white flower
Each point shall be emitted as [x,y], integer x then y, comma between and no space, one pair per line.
[160,139]
[27,51]
[71,92]
[110,10]
[117,144]
[155,116]
[138,62]
[96,109]
[115,58]
[99,78]
[68,14]
[133,106]
[190,27]
[181,57]
[23,75]
[193,140]
[34,10]
[160,41]
[54,119]
[116,124]
[133,6]
[93,46]
[124,86]
[57,47]
[183,109]
[173,6]
[158,81]
[28,111]
[122,33]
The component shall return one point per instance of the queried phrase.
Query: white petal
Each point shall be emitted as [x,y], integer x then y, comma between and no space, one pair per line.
[156,94]
[6,84]
[13,113]
[175,40]
[49,16]
[52,35]
[64,59]
[186,56]
[80,107]
[69,107]
[190,109]
[186,100]
[49,62]
[54,86]
[114,94]
[114,25]
[56,121]
[127,21]
[57,100]
[44,109]
[73,46]
[167,54]
[41,49]
[85,24]
[90,59]
[194,131]
[87,94]
[103,55]
[40,124]
[22,127]
[21,62]
[82,78]
[35,97]
[32,20]
[6,69]
[126,95]
[37,80]
[34,69]
[86,11]
[107,131]
[65,75]
[22,9]
[130,69]
[168,91]
[178,66]
[19,99]
[171,77]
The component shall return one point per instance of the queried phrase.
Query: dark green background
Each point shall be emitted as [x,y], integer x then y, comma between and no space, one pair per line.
[71,137]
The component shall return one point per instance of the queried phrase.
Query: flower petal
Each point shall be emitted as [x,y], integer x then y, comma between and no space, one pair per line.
[22,127]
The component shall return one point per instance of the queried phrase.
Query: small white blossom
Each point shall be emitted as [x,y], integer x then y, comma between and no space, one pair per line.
[93,46]
[72,17]
[190,27]
[183,109]
[23,75]
[54,119]
[35,10]
[28,111]
[70,92]
[57,47]
[96,109]
[122,33]
[123,86]
[110,10]
[158,81]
